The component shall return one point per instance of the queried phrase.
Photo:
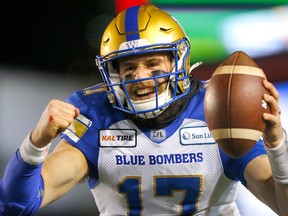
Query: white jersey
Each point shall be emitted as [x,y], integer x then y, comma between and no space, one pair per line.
[177,170]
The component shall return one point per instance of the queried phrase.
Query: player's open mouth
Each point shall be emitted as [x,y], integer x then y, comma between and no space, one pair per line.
[145,93]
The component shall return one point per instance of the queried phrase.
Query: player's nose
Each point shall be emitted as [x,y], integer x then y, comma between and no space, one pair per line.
[142,72]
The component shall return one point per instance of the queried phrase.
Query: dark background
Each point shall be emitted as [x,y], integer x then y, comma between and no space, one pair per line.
[64,36]
[52,34]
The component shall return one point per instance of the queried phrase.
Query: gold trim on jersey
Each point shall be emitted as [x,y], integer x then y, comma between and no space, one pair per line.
[78,128]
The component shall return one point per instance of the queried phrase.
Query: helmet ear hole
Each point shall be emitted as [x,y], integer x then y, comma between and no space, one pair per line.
[115,65]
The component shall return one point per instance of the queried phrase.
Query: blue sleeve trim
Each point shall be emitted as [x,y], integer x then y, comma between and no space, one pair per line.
[21,188]
[234,168]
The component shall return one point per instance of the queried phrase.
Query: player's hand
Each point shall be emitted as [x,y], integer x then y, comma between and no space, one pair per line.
[57,116]
[273,132]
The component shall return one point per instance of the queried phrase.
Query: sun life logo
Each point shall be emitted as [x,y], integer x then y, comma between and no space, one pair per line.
[186,136]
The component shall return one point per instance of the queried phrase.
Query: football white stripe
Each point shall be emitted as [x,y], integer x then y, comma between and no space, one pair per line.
[236,133]
[239,69]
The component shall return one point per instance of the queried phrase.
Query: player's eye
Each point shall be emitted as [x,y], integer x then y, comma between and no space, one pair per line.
[152,64]
[128,69]
[127,77]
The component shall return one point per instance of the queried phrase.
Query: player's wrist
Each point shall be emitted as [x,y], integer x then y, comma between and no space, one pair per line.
[277,140]
[278,157]
[32,154]
[38,139]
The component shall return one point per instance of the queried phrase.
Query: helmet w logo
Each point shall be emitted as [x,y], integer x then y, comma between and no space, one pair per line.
[132,44]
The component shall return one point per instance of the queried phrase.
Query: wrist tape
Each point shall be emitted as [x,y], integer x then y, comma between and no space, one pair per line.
[278,158]
[32,154]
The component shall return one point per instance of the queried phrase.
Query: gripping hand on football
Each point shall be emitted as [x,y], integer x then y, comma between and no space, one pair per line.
[273,133]
[57,116]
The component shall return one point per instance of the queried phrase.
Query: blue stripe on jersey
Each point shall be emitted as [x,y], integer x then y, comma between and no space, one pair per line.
[131,23]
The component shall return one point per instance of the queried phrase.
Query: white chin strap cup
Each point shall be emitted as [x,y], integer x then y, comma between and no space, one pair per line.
[147,104]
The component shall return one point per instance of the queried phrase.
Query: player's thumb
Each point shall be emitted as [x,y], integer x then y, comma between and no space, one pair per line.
[77,112]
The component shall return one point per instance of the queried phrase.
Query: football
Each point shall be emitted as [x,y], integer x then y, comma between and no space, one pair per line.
[234,105]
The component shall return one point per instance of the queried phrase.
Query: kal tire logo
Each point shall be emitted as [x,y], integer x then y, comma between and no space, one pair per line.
[117,138]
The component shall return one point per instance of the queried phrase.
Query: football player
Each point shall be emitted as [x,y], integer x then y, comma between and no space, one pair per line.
[140,139]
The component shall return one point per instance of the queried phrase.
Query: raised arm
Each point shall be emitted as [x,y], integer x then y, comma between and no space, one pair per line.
[267,175]
[28,182]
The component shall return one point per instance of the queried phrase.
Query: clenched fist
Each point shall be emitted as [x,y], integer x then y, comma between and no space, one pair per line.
[57,116]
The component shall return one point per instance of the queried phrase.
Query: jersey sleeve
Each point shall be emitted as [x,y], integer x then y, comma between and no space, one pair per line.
[21,189]
[83,134]
[234,168]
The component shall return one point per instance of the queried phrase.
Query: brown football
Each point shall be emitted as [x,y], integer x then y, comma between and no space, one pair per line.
[234,106]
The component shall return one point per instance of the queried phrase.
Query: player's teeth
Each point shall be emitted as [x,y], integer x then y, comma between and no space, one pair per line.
[144,91]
